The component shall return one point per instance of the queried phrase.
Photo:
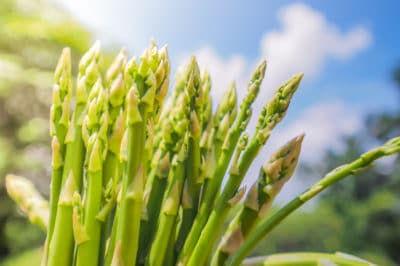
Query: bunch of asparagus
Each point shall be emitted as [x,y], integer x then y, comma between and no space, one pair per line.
[137,178]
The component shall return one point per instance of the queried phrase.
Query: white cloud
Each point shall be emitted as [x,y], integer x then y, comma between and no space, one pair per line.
[306,42]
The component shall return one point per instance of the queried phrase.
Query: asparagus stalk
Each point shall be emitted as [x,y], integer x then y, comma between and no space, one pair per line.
[62,244]
[341,172]
[273,175]
[180,81]
[144,100]
[193,183]
[208,159]
[162,80]
[133,180]
[95,129]
[59,117]
[170,103]
[206,107]
[213,139]
[207,124]
[270,116]
[29,200]
[161,72]
[59,120]
[224,118]
[153,199]
[170,256]
[113,249]
[223,162]
[114,83]
[171,202]
[173,132]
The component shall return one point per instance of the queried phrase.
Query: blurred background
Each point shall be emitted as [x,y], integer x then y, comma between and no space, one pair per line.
[348,102]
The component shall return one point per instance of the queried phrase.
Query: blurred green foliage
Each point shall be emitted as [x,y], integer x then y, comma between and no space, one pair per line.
[33,32]
[31,257]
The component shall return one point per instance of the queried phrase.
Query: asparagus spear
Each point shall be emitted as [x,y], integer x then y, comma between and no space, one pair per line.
[193,182]
[341,172]
[59,119]
[307,258]
[213,139]
[273,175]
[206,123]
[95,129]
[171,202]
[112,248]
[270,116]
[62,244]
[114,83]
[112,167]
[180,81]
[133,179]
[170,103]
[223,162]
[144,101]
[24,193]
[173,132]
[162,80]
[206,106]
[224,118]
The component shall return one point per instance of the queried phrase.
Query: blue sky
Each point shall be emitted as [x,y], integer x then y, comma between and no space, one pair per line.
[233,28]
[347,50]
